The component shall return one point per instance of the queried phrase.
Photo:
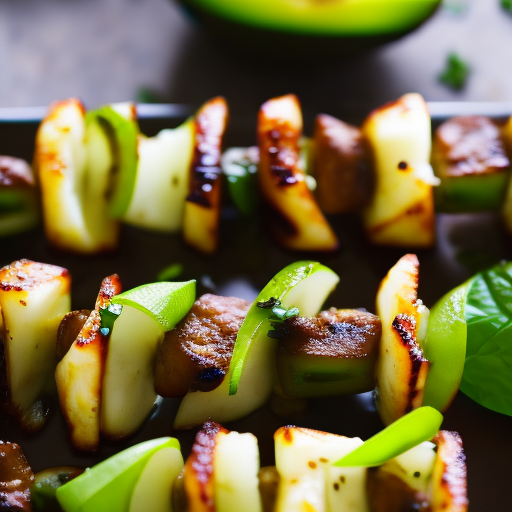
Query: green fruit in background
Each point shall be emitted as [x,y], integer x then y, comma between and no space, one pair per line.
[356,24]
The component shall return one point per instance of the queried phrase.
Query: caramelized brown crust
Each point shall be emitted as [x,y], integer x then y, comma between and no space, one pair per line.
[405,327]
[342,166]
[69,329]
[203,204]
[347,333]
[110,286]
[210,124]
[16,477]
[449,478]
[470,145]
[292,214]
[196,354]
[199,483]
[15,172]
[23,275]
[389,493]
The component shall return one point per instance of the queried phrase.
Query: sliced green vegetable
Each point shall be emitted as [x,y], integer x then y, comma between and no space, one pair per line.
[487,370]
[455,73]
[445,348]
[303,285]
[240,166]
[171,272]
[123,129]
[18,210]
[410,430]
[46,483]
[108,486]
[165,302]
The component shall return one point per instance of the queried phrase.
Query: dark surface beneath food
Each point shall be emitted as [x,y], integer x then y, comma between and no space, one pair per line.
[247,259]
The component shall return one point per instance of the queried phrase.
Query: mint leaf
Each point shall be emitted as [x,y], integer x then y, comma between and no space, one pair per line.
[456,72]
[405,433]
[488,366]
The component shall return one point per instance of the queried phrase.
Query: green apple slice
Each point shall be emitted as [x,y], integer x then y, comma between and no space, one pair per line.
[445,348]
[162,180]
[410,430]
[167,303]
[128,391]
[34,297]
[108,486]
[154,487]
[303,285]
[119,120]
[74,161]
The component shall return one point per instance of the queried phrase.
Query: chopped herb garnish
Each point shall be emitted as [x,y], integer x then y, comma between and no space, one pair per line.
[108,316]
[456,6]
[278,310]
[147,95]
[269,304]
[507,5]
[171,272]
[456,72]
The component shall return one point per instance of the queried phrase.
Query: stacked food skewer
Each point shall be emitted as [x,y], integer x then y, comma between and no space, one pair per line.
[224,356]
[96,169]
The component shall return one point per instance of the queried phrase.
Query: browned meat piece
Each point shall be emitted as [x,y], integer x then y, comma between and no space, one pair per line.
[196,354]
[333,353]
[469,145]
[15,172]
[16,477]
[69,329]
[333,333]
[342,166]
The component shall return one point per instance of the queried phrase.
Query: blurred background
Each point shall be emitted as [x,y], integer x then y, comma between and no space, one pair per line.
[114,50]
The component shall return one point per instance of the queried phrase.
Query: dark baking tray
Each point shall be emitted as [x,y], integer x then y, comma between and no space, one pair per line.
[246,261]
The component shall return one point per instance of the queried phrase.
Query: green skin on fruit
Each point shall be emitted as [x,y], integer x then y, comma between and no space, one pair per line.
[108,486]
[445,348]
[123,134]
[461,194]
[310,376]
[334,17]
[291,286]
[18,210]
